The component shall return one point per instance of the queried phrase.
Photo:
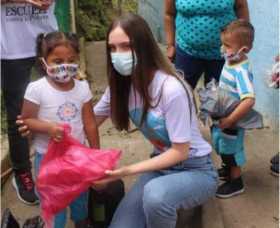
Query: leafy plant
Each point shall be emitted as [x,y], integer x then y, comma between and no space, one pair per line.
[94,16]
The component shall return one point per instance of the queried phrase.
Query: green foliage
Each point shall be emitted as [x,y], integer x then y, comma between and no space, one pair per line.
[94,16]
[127,5]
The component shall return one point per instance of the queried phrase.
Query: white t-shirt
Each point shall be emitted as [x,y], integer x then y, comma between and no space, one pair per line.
[58,106]
[20,25]
[167,123]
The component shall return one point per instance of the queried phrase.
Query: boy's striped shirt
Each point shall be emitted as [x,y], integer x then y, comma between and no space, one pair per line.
[238,80]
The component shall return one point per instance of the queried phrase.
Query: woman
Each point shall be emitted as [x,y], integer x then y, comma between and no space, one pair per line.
[144,88]
[192,30]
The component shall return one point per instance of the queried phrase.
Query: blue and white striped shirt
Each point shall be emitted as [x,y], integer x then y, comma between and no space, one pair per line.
[238,80]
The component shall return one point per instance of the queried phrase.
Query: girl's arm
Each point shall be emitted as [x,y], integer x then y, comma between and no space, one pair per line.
[241,9]
[29,115]
[90,125]
[169,25]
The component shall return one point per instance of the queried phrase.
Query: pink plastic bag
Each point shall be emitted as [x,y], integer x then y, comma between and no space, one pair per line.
[67,170]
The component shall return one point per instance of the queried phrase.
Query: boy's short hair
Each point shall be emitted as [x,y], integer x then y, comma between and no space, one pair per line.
[242,29]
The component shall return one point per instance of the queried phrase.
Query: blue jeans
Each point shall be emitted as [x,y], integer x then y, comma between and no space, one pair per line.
[155,198]
[79,206]
[193,67]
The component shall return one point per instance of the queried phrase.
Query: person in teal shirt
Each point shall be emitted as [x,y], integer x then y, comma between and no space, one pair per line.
[192,30]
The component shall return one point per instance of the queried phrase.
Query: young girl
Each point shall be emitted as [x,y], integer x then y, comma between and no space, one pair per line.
[60,98]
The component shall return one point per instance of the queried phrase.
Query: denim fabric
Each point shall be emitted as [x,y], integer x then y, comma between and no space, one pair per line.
[154,199]
[193,67]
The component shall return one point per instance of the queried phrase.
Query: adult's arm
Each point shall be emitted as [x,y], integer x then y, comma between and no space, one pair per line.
[169,25]
[41,4]
[177,153]
[241,9]
[12,1]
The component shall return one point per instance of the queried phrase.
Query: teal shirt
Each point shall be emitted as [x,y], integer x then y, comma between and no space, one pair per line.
[198,26]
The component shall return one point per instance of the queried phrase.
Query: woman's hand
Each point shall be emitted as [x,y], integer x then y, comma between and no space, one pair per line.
[112,175]
[118,173]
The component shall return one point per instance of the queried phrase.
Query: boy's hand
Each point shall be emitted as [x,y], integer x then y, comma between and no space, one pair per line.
[56,132]
[225,123]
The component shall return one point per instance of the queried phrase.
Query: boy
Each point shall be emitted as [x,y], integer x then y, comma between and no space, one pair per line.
[237,40]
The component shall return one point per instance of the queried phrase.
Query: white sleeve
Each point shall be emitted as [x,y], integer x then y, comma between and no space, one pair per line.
[177,115]
[33,93]
[87,95]
[102,108]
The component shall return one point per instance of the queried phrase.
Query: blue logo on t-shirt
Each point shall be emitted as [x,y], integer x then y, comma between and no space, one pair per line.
[153,128]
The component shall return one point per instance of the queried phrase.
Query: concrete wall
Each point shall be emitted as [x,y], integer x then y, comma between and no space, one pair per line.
[265,18]
[152,11]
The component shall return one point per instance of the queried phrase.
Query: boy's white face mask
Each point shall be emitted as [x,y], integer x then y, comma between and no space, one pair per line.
[61,72]
[123,62]
[233,56]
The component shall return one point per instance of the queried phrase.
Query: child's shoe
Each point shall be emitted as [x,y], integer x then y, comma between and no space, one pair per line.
[274,169]
[275,159]
[230,188]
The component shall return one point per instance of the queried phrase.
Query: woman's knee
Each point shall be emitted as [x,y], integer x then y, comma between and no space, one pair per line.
[154,198]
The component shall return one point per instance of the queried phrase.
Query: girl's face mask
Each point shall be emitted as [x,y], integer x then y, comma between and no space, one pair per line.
[123,62]
[61,72]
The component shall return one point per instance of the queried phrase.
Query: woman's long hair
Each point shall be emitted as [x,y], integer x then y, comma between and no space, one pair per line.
[149,59]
